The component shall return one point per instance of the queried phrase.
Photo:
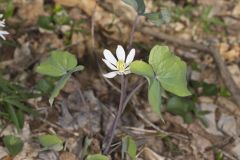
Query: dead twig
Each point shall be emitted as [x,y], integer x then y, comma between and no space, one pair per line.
[171,134]
[57,127]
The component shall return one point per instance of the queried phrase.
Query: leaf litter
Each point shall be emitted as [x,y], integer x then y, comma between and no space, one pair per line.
[74,115]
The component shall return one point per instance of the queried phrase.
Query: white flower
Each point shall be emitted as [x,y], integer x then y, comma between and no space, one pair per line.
[120,65]
[2,24]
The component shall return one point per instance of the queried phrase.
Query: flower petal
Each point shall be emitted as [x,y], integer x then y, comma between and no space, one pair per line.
[110,74]
[109,57]
[130,57]
[120,53]
[2,34]
[110,65]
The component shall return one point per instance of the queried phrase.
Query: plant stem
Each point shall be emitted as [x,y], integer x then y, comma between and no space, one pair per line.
[109,136]
[129,96]
[132,32]
[122,104]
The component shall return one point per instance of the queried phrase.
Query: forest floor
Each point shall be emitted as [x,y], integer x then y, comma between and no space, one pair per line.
[204,33]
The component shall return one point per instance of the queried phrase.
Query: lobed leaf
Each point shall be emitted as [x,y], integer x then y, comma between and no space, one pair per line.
[170,70]
[51,142]
[58,64]
[142,68]
[59,85]
[159,18]
[138,5]
[154,95]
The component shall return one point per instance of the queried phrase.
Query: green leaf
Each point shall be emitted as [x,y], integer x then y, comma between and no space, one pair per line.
[170,70]
[219,155]
[209,89]
[60,84]
[182,107]
[154,95]
[179,106]
[142,68]
[20,117]
[138,5]
[97,157]
[61,17]
[76,69]
[224,92]
[58,64]
[9,9]
[188,118]
[45,22]
[13,144]
[129,146]
[159,18]
[13,116]
[21,106]
[44,86]
[51,142]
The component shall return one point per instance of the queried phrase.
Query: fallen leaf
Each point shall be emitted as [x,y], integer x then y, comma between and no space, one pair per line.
[26,7]
[199,144]
[210,118]
[236,148]
[236,10]
[235,72]
[151,155]
[228,125]
[67,156]
[3,152]
[86,117]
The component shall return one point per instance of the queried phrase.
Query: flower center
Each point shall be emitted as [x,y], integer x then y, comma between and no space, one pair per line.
[121,66]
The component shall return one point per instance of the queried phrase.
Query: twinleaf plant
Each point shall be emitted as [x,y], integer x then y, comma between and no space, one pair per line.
[60,64]
[164,71]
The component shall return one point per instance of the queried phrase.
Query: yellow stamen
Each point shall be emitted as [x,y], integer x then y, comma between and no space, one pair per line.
[121,66]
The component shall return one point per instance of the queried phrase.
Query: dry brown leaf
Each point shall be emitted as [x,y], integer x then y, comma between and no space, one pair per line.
[45,43]
[29,11]
[228,105]
[80,40]
[236,148]
[235,71]
[210,118]
[228,125]
[67,156]
[236,10]
[86,117]
[199,144]
[208,2]
[22,56]
[151,155]
[3,152]
[8,157]
[87,6]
